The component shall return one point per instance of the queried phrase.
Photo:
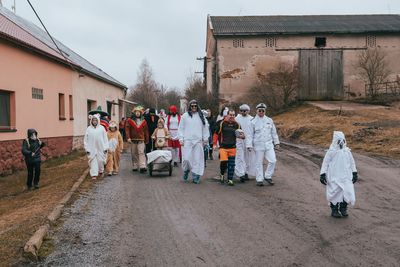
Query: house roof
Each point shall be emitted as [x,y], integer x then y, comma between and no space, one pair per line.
[261,25]
[24,32]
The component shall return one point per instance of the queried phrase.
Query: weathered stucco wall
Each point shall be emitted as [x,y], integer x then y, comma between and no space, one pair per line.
[238,66]
[87,88]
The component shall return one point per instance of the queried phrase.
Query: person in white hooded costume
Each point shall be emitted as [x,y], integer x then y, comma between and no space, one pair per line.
[244,157]
[193,133]
[339,173]
[96,146]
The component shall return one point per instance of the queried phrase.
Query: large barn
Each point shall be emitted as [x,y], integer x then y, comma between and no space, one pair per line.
[325,49]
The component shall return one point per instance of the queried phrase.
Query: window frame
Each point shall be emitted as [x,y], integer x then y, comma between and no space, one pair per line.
[61,106]
[12,116]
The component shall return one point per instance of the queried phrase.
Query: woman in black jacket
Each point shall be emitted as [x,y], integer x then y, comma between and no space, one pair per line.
[31,147]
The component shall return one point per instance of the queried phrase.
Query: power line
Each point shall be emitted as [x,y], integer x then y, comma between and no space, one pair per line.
[59,50]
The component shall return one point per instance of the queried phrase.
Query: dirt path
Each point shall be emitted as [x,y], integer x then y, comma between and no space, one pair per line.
[136,220]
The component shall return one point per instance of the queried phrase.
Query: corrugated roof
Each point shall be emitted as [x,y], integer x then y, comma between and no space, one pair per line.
[27,33]
[257,25]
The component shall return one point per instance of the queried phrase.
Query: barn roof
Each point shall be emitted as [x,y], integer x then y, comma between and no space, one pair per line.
[341,24]
[24,32]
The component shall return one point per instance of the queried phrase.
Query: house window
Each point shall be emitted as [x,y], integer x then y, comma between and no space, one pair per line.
[71,108]
[270,42]
[7,110]
[238,43]
[371,41]
[109,107]
[320,41]
[91,105]
[37,93]
[61,106]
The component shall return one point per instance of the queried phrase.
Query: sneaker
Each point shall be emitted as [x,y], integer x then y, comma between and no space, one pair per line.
[115,173]
[30,188]
[109,174]
[221,178]
[175,164]
[185,175]
[196,178]
[134,169]
[242,179]
[269,181]
[246,177]
[260,184]
[36,186]
[143,170]
[230,182]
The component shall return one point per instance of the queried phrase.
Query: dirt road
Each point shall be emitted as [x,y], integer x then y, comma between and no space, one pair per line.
[136,220]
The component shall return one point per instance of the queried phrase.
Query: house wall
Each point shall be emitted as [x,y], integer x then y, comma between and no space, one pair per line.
[20,71]
[87,88]
[238,67]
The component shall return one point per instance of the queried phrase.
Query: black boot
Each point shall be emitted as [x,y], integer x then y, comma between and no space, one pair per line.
[335,211]
[343,209]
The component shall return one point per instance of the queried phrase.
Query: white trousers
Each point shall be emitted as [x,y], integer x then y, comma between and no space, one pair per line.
[243,159]
[175,154]
[269,155]
[96,165]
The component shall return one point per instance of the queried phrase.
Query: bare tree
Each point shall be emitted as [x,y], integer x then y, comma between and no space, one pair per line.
[195,88]
[146,89]
[277,88]
[373,68]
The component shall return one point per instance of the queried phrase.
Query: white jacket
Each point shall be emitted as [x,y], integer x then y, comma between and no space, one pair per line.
[263,135]
[245,123]
[192,129]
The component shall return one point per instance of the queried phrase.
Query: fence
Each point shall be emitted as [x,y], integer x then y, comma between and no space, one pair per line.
[385,89]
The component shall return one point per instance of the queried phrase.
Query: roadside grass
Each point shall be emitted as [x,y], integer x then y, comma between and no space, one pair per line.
[375,132]
[22,211]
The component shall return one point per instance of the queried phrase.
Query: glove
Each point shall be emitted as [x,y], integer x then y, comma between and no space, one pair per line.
[181,142]
[355,177]
[129,141]
[277,147]
[322,178]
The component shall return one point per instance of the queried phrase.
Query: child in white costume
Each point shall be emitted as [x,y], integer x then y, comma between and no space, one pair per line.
[339,173]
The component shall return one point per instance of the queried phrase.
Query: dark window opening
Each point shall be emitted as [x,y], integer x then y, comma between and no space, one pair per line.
[37,93]
[320,41]
[5,116]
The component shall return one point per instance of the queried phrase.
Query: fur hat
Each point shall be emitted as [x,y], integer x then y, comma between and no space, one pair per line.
[94,116]
[138,108]
[113,124]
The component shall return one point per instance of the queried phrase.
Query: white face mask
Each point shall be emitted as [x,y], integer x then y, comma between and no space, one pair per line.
[33,136]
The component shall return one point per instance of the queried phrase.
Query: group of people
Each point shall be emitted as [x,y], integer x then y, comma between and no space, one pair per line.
[244,142]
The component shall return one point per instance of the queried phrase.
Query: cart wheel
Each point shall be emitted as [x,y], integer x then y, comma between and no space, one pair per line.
[151,169]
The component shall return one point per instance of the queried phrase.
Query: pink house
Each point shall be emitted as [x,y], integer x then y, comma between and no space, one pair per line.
[42,89]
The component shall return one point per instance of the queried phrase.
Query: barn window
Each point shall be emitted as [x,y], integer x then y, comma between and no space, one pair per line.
[37,93]
[320,41]
[238,43]
[371,41]
[270,42]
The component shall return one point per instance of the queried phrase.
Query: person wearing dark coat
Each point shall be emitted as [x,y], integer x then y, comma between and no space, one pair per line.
[31,147]
[151,120]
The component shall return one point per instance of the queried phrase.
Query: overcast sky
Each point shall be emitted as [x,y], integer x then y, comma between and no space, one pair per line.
[116,35]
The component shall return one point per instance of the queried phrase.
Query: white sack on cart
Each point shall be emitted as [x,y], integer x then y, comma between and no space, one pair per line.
[159,156]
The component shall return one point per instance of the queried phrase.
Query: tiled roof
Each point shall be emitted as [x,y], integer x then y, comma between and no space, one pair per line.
[28,34]
[258,25]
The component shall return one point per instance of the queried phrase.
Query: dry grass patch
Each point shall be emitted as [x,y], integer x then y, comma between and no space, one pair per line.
[22,211]
[373,131]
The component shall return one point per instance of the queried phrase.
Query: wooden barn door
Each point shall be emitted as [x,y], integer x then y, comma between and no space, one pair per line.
[321,74]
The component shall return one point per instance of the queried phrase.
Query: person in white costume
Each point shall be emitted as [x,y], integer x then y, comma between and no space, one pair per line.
[243,156]
[339,173]
[193,133]
[263,138]
[96,146]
